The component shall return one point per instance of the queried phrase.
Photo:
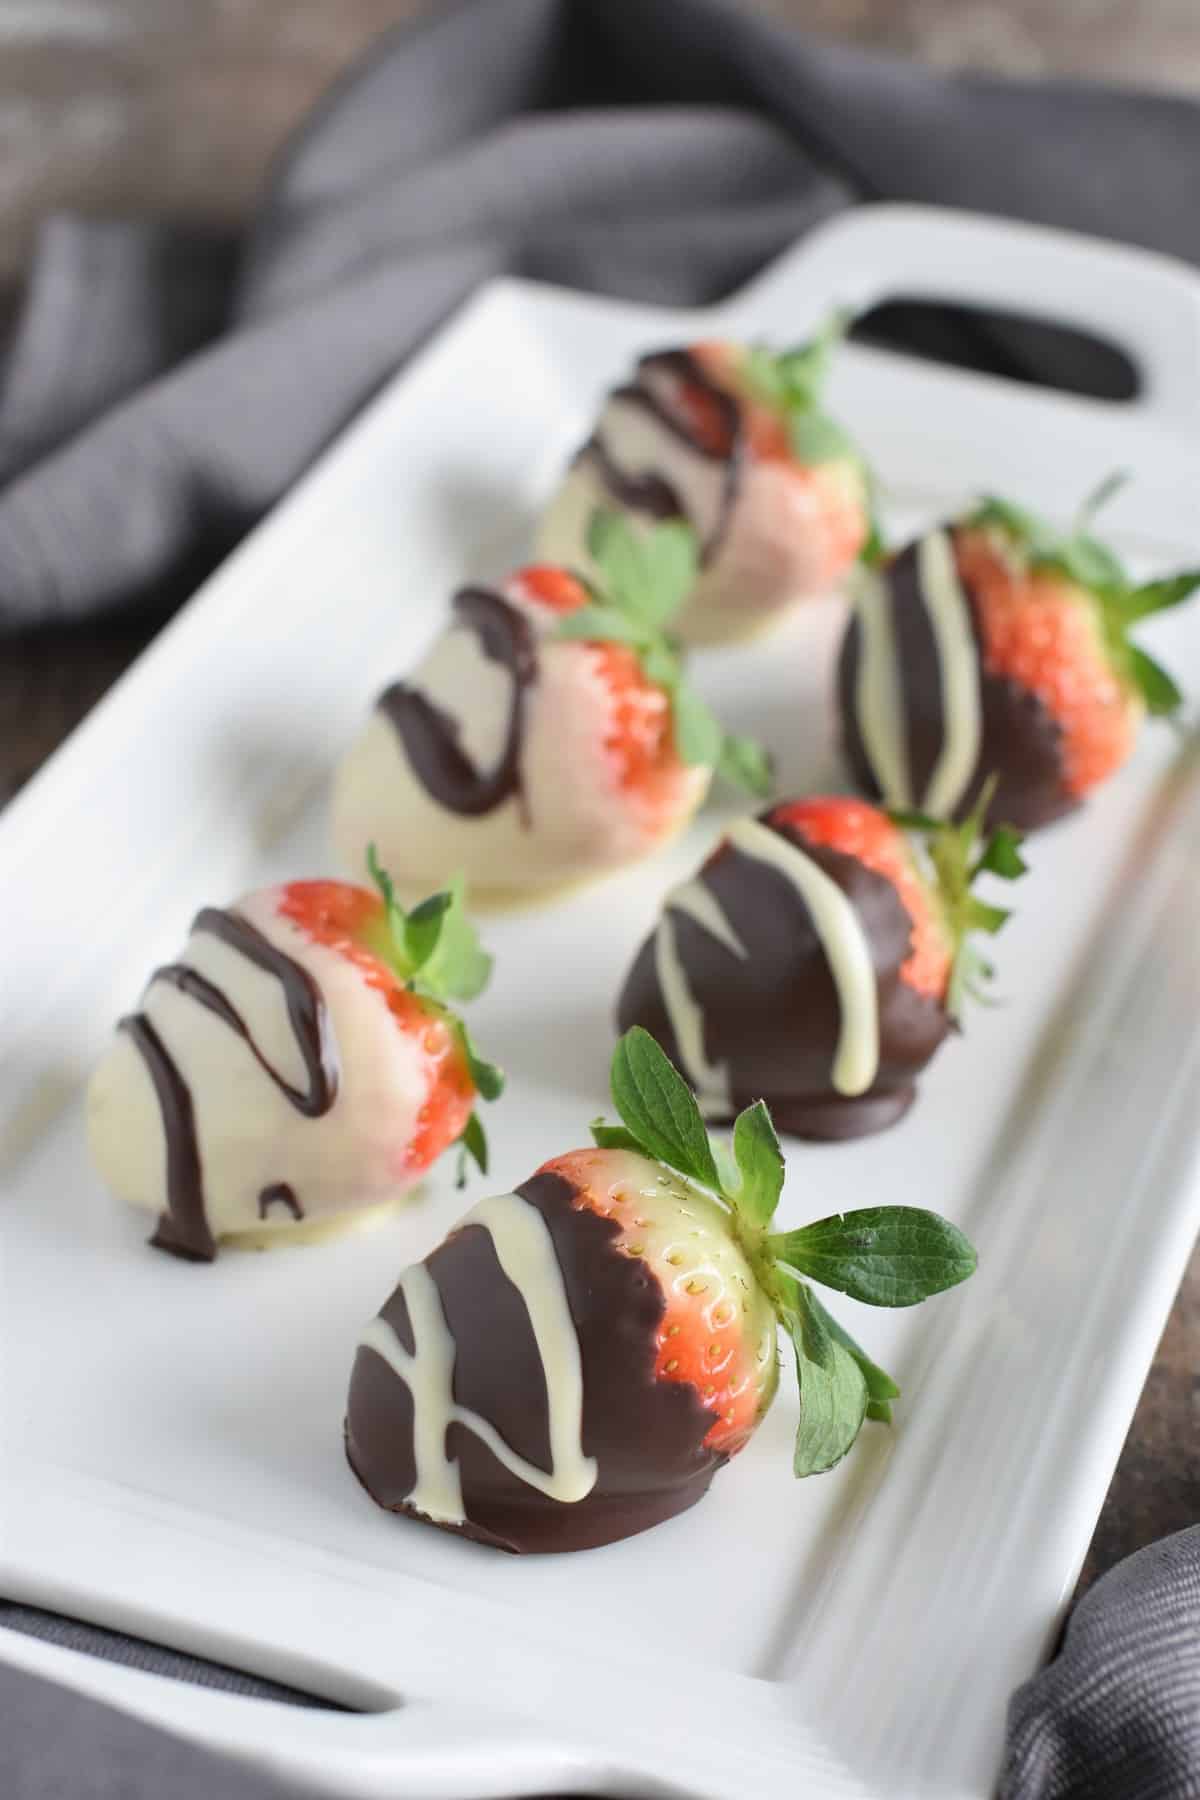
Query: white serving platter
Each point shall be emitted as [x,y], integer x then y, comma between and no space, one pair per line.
[170,1450]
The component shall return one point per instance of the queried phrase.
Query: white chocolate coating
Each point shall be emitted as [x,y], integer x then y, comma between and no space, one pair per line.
[776,549]
[572,820]
[249,1135]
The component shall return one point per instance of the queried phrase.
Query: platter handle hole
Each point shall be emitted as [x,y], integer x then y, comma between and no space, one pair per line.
[1017,346]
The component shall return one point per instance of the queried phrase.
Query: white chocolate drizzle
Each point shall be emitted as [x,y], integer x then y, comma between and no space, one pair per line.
[525,1251]
[701,904]
[710,1080]
[878,698]
[837,925]
[950,616]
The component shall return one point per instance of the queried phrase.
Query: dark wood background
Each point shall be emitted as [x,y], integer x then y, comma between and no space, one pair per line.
[175,106]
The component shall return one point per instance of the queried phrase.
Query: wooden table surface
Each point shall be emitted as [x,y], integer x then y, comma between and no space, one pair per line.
[176,105]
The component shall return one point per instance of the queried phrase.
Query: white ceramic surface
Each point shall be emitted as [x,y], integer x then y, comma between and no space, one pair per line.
[170,1456]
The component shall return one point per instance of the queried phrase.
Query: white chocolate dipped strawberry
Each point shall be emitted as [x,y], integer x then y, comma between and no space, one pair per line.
[549,735]
[296,1067]
[732,439]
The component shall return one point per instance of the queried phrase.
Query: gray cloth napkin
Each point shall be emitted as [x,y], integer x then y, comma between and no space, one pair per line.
[164,387]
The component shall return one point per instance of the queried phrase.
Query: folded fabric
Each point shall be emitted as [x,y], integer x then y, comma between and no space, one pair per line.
[1116,1716]
[56,1745]
[164,387]
[161,392]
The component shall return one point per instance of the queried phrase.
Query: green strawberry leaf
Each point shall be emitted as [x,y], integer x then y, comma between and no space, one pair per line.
[660,1109]
[816,438]
[728,1174]
[1018,521]
[660,664]
[881,1389]
[833,1388]
[1093,565]
[1099,497]
[602,622]
[958,856]
[672,562]
[698,735]
[762,370]
[613,1137]
[1158,690]
[434,949]
[910,820]
[423,928]
[1157,596]
[979,915]
[884,1255]
[472,1144]
[745,764]
[617,553]
[644,578]
[394,914]
[454,965]
[486,1076]
[759,1162]
[1001,855]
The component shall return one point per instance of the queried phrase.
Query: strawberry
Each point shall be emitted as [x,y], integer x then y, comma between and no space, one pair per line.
[298,1064]
[640,741]
[578,1358]
[1030,632]
[872,839]
[732,439]
[550,734]
[819,957]
[411,960]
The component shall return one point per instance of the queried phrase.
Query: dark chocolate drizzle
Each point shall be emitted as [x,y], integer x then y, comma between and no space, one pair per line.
[774,1017]
[280,1193]
[647,1435]
[643,491]
[183,1229]
[647,490]
[429,736]
[1020,742]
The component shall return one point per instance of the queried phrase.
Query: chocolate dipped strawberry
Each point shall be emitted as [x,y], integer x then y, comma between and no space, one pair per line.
[818,959]
[549,735]
[577,1359]
[996,646]
[733,439]
[297,1067]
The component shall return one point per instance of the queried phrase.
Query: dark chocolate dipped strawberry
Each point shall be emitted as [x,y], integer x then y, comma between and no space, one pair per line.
[733,439]
[818,959]
[577,1359]
[997,647]
[298,1065]
[549,735]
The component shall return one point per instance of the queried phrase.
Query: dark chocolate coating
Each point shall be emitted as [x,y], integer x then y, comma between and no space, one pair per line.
[648,490]
[773,1018]
[183,1230]
[1020,743]
[646,1435]
[429,737]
